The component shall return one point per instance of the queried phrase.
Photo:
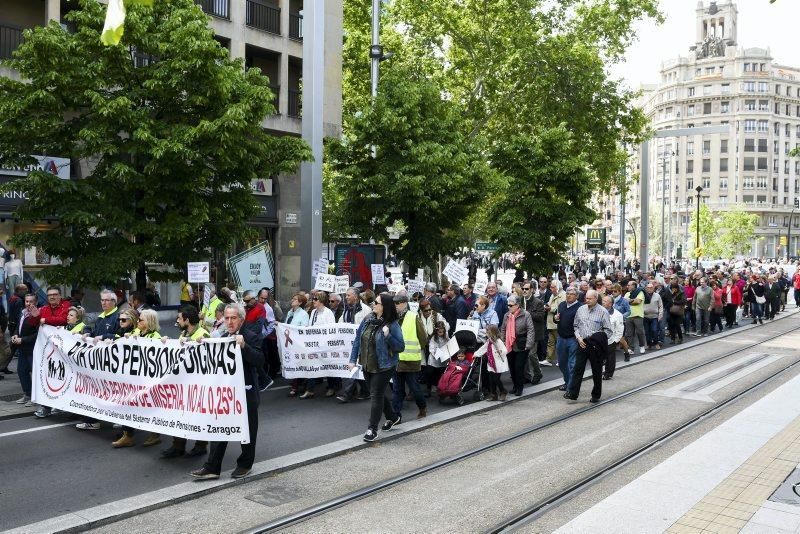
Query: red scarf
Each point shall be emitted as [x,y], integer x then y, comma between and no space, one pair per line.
[511,329]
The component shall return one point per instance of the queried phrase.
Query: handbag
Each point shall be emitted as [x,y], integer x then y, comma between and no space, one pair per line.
[761,300]
[676,309]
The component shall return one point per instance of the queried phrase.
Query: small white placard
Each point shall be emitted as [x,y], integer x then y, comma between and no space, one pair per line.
[480,287]
[342,283]
[197,272]
[325,282]
[415,286]
[455,273]
[377,274]
[468,324]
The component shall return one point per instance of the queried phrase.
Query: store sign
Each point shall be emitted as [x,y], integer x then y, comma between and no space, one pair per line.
[262,186]
[56,166]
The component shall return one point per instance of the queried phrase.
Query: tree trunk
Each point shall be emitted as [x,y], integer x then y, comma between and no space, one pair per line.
[141,277]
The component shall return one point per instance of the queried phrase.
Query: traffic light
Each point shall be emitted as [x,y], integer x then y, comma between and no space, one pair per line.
[608,212]
[797,203]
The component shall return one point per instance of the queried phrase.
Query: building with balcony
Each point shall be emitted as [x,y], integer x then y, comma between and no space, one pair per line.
[758,98]
[268,35]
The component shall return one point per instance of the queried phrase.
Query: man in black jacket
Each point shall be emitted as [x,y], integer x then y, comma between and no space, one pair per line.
[253,359]
[24,338]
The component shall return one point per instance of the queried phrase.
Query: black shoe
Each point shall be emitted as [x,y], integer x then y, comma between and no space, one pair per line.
[570,397]
[627,357]
[204,474]
[370,435]
[594,400]
[562,387]
[196,451]
[2,377]
[6,371]
[172,452]
[760,321]
[518,392]
[241,472]
[389,424]
[343,399]
[536,380]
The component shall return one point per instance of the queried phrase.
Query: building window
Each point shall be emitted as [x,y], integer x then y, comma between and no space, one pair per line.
[690,148]
[689,166]
[690,110]
[763,105]
[723,183]
[762,164]
[763,87]
[671,94]
[750,105]
[689,184]
[786,166]
[763,126]
[786,148]
[706,148]
[771,220]
[762,145]
[668,112]
[707,108]
[747,67]
[761,182]
[690,201]
[785,188]
[749,145]
[777,128]
[723,146]
[706,183]
[748,182]
[777,89]
[723,164]
[690,91]
[749,164]
[707,90]
[726,89]
[777,109]
[788,130]
[706,165]
[775,149]
[797,133]
[749,125]
[724,107]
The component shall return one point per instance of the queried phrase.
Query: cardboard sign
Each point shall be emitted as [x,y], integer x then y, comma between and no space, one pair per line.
[415,286]
[421,274]
[377,274]
[413,307]
[325,282]
[342,283]
[197,272]
[456,273]
[468,324]
[480,287]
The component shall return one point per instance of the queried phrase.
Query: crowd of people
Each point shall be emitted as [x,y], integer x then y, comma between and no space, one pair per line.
[566,318]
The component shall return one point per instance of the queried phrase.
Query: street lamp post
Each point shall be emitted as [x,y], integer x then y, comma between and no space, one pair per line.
[697,229]
[789,231]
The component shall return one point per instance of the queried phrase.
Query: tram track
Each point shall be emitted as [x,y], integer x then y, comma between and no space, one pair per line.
[546,504]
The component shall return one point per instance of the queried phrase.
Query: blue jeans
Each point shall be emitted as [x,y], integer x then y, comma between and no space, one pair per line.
[567,351]
[24,369]
[651,331]
[688,320]
[401,379]
[756,310]
[701,322]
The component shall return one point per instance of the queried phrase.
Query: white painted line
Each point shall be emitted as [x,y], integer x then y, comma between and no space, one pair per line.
[683,390]
[35,429]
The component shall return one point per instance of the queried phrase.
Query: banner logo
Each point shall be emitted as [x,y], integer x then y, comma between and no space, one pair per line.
[55,371]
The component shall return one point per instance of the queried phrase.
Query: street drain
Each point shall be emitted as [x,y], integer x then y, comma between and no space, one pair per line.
[789,491]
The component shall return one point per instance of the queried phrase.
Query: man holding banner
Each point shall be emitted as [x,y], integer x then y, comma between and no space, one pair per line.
[252,359]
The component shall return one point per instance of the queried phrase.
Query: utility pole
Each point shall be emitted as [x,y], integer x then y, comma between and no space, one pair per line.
[663,185]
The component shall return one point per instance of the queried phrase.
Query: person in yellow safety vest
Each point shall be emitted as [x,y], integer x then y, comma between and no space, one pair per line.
[410,364]
[191,330]
[208,313]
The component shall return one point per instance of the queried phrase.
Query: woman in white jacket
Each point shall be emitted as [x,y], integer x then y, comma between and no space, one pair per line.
[494,350]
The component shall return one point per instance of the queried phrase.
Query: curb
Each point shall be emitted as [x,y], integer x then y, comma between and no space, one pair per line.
[111,512]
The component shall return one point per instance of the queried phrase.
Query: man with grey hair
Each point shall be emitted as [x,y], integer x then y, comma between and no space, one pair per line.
[354,310]
[429,293]
[252,360]
[592,330]
[335,304]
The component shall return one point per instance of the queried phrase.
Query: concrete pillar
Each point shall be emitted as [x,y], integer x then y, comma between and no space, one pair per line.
[283,79]
[52,11]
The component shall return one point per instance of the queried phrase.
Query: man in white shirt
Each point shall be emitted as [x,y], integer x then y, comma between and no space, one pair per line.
[617,327]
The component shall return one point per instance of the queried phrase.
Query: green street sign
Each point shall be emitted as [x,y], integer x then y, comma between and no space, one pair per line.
[595,238]
[486,247]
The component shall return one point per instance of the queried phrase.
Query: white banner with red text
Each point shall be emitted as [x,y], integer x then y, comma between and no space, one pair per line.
[317,351]
[190,390]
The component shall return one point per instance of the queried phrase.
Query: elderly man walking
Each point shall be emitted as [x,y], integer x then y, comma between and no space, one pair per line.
[592,330]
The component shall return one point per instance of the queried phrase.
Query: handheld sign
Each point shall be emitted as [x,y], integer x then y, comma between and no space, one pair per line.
[377,274]
[342,283]
[455,273]
[415,286]
[480,287]
[197,272]
[468,324]
[325,282]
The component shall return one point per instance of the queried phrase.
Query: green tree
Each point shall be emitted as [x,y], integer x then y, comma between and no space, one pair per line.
[547,197]
[735,230]
[167,130]
[426,174]
[708,233]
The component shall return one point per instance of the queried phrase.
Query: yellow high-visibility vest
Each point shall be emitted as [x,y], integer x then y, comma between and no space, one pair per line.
[413,351]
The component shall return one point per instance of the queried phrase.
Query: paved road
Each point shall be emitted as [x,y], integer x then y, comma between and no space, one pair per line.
[53,455]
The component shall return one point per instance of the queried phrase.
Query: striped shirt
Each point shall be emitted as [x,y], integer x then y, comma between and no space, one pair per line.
[588,322]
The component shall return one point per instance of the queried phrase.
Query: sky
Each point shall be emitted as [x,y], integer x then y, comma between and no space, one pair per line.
[761,25]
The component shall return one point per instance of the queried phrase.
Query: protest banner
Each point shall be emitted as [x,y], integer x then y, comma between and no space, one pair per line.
[316,351]
[342,283]
[455,273]
[468,324]
[190,390]
[377,274]
[415,286]
[325,282]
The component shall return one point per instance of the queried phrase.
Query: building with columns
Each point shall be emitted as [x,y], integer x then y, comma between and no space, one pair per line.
[268,35]
[722,82]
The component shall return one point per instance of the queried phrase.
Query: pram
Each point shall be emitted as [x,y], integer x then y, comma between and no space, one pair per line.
[460,377]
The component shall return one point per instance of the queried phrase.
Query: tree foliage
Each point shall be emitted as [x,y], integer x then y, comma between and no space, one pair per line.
[726,234]
[167,125]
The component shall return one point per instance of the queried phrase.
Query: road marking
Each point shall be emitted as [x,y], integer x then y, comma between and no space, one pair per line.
[701,387]
[36,429]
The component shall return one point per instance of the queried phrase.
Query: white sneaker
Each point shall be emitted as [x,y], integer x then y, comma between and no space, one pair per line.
[641,350]
[24,399]
[545,363]
[30,404]
[88,426]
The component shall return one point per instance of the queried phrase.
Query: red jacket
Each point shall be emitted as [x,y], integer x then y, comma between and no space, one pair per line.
[255,313]
[55,316]
[736,295]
